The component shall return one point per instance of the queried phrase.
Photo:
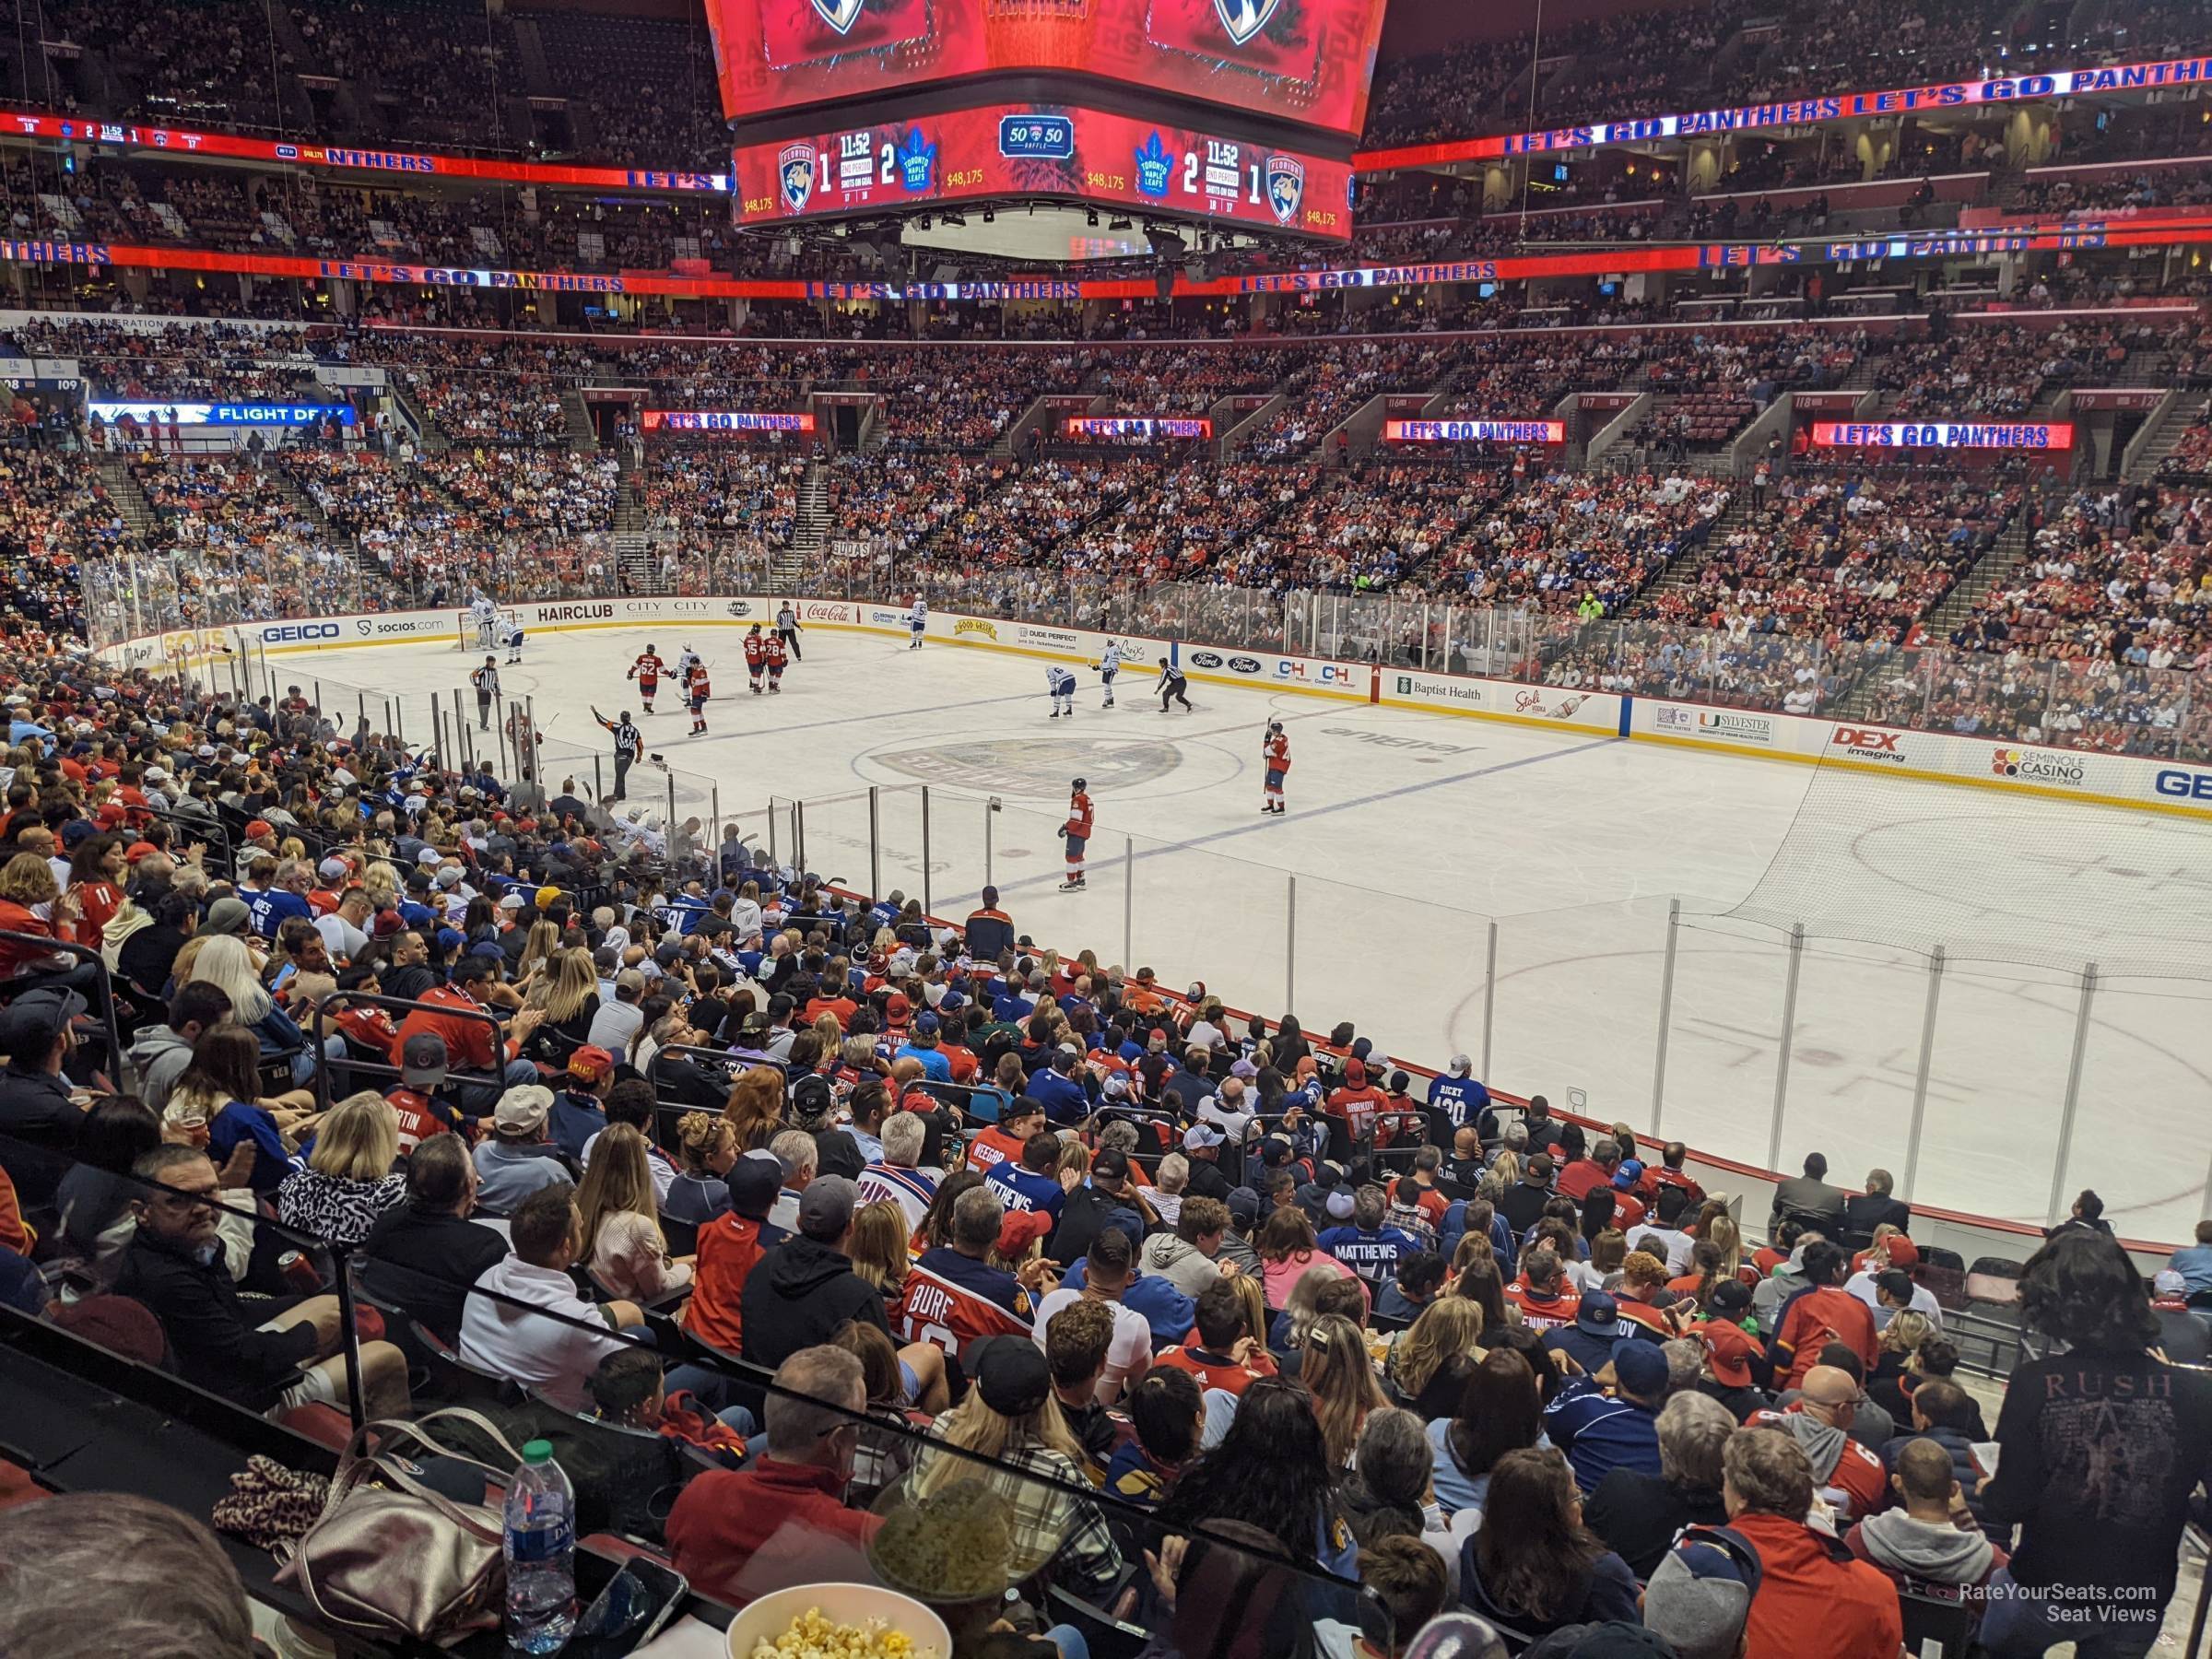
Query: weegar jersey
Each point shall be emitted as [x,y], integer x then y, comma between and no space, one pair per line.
[648,669]
[956,1302]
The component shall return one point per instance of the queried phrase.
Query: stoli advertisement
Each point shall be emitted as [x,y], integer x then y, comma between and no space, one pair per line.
[1303,61]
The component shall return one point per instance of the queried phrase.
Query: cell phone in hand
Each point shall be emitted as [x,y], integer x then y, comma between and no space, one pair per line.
[629,1612]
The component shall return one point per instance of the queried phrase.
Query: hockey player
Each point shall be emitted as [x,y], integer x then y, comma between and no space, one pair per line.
[647,671]
[1077,830]
[696,692]
[1172,687]
[483,615]
[683,659]
[1274,751]
[1061,685]
[510,636]
[773,644]
[755,656]
[1110,665]
[917,620]
[487,682]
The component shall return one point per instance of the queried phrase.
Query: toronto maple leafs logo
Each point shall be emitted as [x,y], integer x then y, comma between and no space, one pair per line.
[1285,187]
[794,172]
[1243,18]
[841,15]
[1155,167]
[917,161]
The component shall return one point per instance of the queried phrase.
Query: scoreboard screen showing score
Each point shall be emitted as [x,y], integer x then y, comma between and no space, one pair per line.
[1303,61]
[1005,150]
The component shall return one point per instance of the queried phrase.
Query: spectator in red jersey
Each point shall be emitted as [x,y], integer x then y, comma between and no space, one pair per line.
[1541,1291]
[1928,1543]
[1820,1314]
[1820,1420]
[1356,1103]
[1220,1352]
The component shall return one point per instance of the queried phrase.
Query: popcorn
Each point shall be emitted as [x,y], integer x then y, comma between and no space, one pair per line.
[811,1636]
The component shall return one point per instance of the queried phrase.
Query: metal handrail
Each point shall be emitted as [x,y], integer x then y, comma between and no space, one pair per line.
[337,999]
[104,1001]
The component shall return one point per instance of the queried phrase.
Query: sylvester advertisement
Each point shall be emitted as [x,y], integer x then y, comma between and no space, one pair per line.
[1042,150]
[1306,61]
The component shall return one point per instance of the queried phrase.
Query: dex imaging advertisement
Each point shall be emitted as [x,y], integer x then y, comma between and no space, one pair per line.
[1307,61]
[1007,150]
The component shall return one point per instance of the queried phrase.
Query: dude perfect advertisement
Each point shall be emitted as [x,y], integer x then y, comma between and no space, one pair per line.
[1307,61]
[1008,151]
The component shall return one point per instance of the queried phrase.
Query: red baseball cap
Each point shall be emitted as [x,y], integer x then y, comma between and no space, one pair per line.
[1019,1231]
[590,1064]
[1730,1351]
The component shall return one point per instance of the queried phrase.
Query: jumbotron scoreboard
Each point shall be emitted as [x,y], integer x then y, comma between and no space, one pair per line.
[1237,115]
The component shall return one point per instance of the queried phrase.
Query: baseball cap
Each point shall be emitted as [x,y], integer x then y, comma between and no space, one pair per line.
[590,1064]
[1111,1162]
[1019,1231]
[510,901]
[826,1207]
[754,1183]
[41,1013]
[2167,1282]
[1244,1071]
[1199,1136]
[1903,1252]
[259,827]
[523,1107]
[1010,1372]
[1340,1206]
[333,868]
[1640,1368]
[1731,1296]
[422,1060]
[1697,1600]
[1729,1350]
[1244,1205]
[926,1023]
[1599,1315]
[77,831]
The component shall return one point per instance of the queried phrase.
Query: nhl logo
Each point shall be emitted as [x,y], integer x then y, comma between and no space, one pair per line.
[841,15]
[1241,19]
[1285,187]
[794,172]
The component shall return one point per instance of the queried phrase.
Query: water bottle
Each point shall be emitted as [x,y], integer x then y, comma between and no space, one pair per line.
[541,1553]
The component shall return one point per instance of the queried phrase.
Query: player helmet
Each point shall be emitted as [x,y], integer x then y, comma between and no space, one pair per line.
[1274,727]
[1079,782]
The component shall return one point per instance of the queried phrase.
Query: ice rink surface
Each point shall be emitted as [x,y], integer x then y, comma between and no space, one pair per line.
[1407,835]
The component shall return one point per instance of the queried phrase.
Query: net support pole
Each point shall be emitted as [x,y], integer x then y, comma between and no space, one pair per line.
[1129,902]
[1919,1075]
[1789,1031]
[875,849]
[928,907]
[1490,998]
[2065,1116]
[1291,943]
[1666,1007]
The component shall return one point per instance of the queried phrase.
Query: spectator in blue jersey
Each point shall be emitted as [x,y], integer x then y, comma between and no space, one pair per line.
[1009,1006]
[921,1045]
[1059,1084]
[1457,1100]
[1366,1247]
[1611,1420]
[284,897]
[1034,1182]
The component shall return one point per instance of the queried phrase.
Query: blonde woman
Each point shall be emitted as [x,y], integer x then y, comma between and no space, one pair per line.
[878,1247]
[539,945]
[1011,1420]
[379,884]
[1338,1374]
[225,962]
[621,1220]
[1448,1327]
[348,1182]
[568,989]
[708,1150]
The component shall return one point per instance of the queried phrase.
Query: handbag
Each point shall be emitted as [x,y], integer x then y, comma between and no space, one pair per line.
[397,1557]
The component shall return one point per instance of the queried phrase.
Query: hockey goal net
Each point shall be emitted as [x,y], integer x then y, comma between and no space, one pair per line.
[468,637]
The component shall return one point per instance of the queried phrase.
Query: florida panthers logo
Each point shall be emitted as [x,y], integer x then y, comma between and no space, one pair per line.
[841,15]
[1285,187]
[794,170]
[1243,18]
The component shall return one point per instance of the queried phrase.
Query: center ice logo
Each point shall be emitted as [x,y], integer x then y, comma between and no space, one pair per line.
[1035,766]
[1285,187]
[841,15]
[1241,19]
[794,170]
